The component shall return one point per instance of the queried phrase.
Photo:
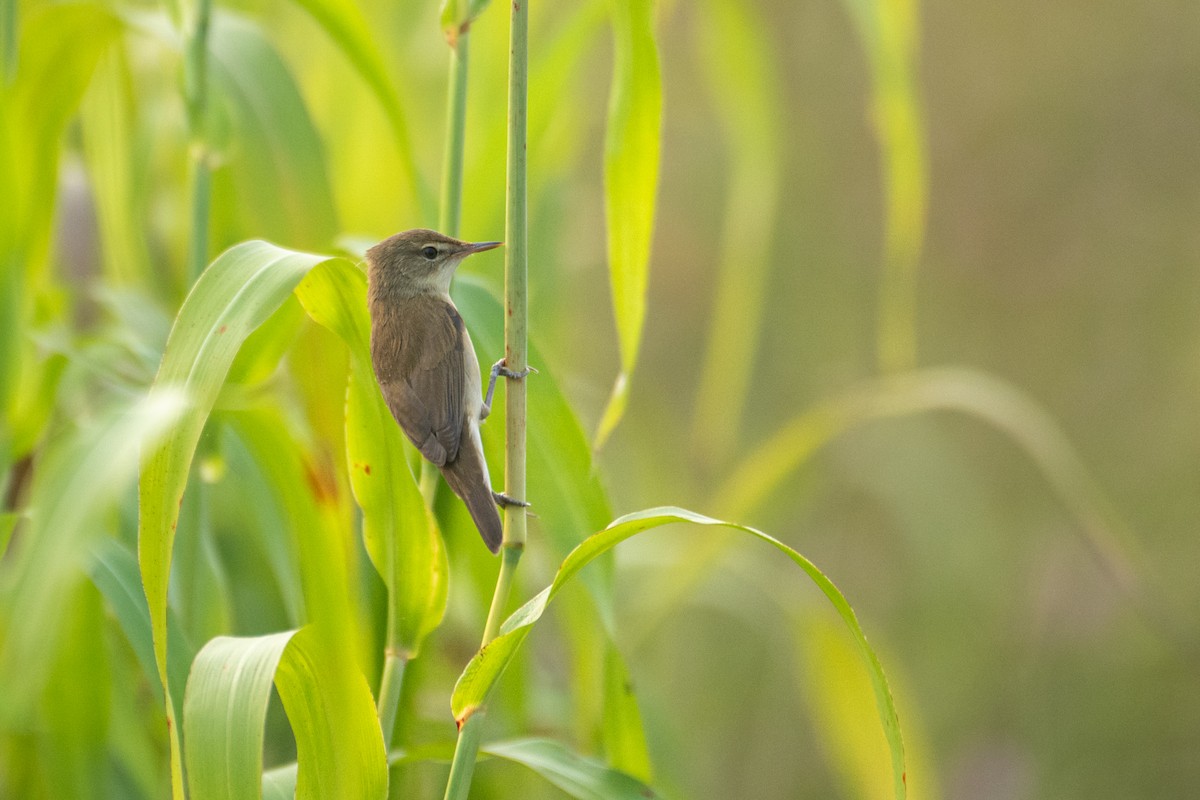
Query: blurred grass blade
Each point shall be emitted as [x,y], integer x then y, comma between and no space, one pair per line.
[631,159]
[485,669]
[283,188]
[964,390]
[345,24]
[59,48]
[111,144]
[580,777]
[400,533]
[745,84]
[114,571]
[340,752]
[76,481]
[239,291]
[888,30]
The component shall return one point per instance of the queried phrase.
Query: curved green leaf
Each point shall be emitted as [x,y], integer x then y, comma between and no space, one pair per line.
[631,158]
[401,534]
[231,298]
[339,747]
[485,669]
[580,777]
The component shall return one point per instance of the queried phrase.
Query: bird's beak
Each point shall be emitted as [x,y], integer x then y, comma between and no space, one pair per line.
[479,247]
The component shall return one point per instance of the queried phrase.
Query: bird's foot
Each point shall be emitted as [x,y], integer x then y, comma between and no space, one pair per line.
[500,368]
[505,501]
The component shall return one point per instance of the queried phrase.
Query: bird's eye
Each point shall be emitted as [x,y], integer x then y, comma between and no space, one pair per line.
[429,252]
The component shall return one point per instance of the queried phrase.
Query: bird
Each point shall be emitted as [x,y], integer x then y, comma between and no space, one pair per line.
[426,366]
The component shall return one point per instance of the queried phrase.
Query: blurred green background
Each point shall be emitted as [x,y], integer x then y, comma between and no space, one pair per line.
[1019,182]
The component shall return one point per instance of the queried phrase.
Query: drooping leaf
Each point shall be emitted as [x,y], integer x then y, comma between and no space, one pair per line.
[238,291]
[400,532]
[485,669]
[631,160]
[339,746]
[580,777]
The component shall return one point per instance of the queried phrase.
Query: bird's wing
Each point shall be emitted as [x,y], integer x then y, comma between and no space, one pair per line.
[423,380]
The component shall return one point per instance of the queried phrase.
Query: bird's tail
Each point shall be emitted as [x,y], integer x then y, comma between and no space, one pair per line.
[467,475]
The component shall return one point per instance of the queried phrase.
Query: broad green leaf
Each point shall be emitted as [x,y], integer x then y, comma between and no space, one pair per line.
[631,159]
[580,777]
[339,747]
[400,532]
[345,24]
[485,669]
[77,480]
[238,291]
[114,571]
[8,522]
[224,711]
[745,89]
[278,161]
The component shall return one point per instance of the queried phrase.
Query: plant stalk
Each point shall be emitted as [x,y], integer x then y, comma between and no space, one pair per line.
[390,684]
[195,89]
[516,273]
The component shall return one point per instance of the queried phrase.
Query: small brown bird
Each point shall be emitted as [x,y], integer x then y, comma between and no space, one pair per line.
[426,365]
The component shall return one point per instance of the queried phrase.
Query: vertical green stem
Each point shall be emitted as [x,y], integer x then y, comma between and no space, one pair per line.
[390,685]
[516,272]
[450,218]
[195,88]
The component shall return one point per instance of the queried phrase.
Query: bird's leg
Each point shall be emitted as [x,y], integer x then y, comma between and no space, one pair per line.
[499,369]
[504,501]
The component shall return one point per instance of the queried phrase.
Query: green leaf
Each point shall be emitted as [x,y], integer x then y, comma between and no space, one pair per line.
[399,529]
[345,24]
[114,571]
[485,669]
[624,735]
[631,160]
[339,747]
[744,84]
[278,161]
[580,777]
[888,30]
[78,478]
[239,291]
[60,46]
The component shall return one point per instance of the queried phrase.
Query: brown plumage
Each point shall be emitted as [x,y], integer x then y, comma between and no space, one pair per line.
[426,365]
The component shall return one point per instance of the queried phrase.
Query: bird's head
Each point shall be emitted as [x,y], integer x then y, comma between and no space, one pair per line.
[419,261]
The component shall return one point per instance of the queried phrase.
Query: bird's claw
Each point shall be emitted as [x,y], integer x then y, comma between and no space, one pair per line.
[504,501]
[499,368]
